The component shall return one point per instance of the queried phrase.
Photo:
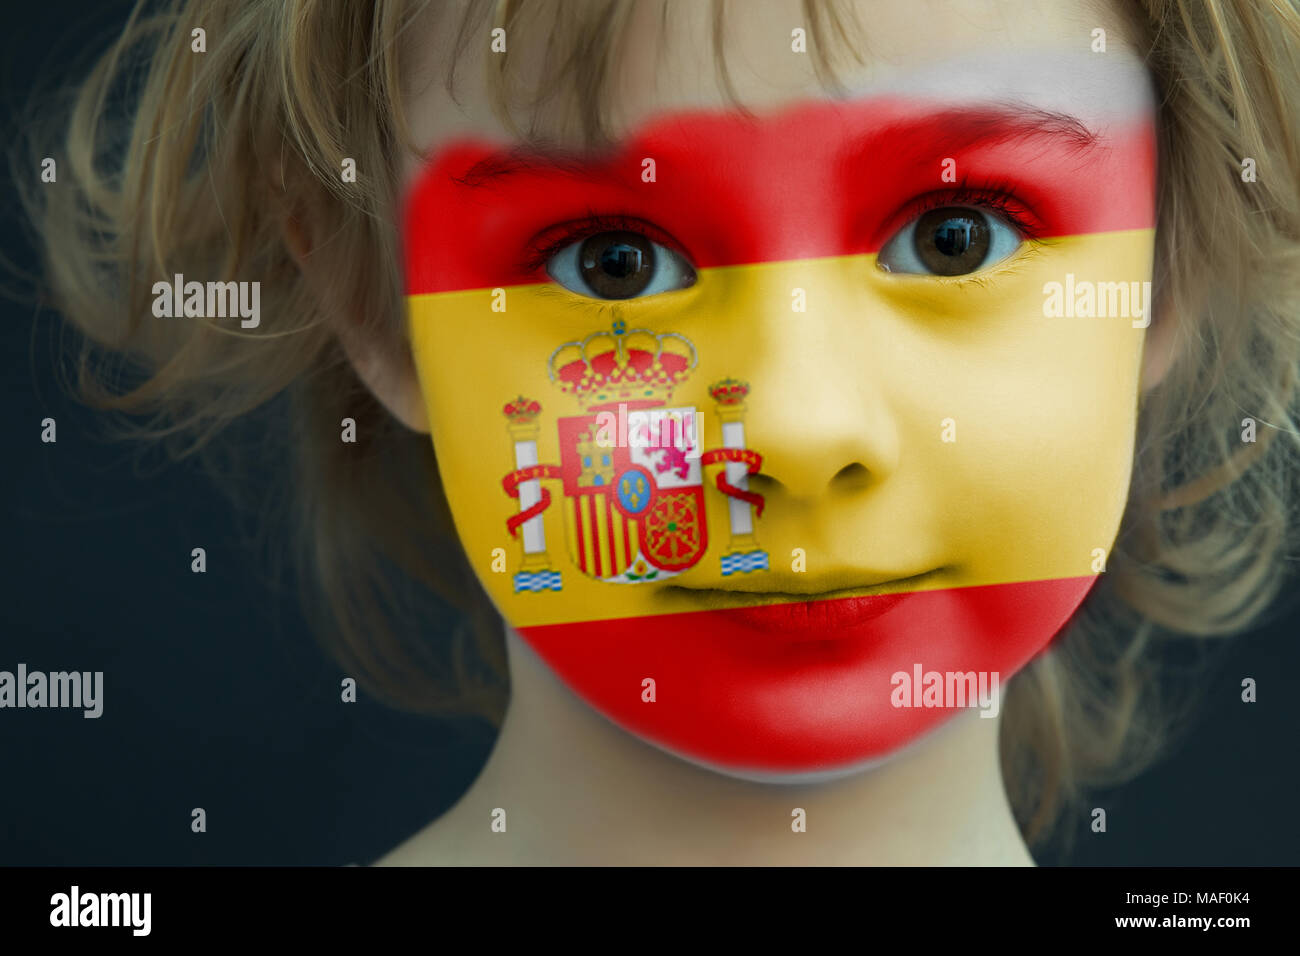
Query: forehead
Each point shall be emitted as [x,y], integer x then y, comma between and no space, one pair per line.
[942,52]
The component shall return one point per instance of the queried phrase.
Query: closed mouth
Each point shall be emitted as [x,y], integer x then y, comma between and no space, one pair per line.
[798,616]
[717,598]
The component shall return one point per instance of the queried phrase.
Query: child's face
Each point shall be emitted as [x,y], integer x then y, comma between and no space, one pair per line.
[907,301]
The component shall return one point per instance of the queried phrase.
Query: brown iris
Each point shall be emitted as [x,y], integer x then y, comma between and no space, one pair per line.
[952,241]
[617,265]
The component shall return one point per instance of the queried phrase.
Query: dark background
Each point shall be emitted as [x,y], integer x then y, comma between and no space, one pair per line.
[218,697]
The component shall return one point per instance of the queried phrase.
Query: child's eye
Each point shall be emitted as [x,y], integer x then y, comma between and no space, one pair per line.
[949,241]
[619,265]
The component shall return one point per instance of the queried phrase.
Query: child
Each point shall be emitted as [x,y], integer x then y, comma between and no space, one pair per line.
[796,376]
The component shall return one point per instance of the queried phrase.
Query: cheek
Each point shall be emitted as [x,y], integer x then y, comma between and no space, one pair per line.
[1044,410]
[481,356]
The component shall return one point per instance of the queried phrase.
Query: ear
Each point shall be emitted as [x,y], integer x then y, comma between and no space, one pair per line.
[387,369]
[1158,346]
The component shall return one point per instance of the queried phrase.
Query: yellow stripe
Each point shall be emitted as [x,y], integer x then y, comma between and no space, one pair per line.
[570,527]
[1044,411]
[602,535]
[588,549]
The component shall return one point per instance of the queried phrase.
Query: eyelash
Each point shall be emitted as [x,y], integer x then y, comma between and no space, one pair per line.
[550,241]
[998,196]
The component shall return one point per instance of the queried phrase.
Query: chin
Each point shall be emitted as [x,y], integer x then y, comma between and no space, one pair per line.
[806,703]
[805,777]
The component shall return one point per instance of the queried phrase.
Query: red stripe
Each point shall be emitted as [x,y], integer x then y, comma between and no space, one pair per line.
[735,695]
[613,548]
[816,179]
[595,535]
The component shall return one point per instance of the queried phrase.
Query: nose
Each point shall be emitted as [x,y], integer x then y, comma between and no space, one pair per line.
[818,407]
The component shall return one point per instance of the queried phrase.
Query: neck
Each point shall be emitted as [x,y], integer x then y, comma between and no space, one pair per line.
[578,790]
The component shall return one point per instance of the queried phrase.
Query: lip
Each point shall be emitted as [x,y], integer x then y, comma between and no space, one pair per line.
[817,620]
[804,616]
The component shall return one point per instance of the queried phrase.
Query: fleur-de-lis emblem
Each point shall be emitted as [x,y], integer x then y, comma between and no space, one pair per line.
[632,492]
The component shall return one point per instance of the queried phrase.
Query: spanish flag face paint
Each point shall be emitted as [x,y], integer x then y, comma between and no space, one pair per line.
[756,423]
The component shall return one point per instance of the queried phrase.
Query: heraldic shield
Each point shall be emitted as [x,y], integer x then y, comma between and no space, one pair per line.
[634,512]
[631,467]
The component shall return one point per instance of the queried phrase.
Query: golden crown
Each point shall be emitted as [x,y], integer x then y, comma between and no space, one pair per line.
[634,367]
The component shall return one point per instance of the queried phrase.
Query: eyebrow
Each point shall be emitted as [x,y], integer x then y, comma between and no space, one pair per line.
[966,129]
[538,159]
[953,131]
[912,140]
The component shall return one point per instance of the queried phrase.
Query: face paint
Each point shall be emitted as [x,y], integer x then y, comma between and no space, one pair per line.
[784,466]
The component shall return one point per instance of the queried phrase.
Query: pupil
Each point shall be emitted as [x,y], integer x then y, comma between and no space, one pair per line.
[617,265]
[619,260]
[953,237]
[952,241]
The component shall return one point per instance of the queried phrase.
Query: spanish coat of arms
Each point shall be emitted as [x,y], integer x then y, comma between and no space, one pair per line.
[631,465]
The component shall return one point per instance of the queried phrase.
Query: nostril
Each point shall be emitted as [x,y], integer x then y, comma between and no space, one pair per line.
[852,476]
